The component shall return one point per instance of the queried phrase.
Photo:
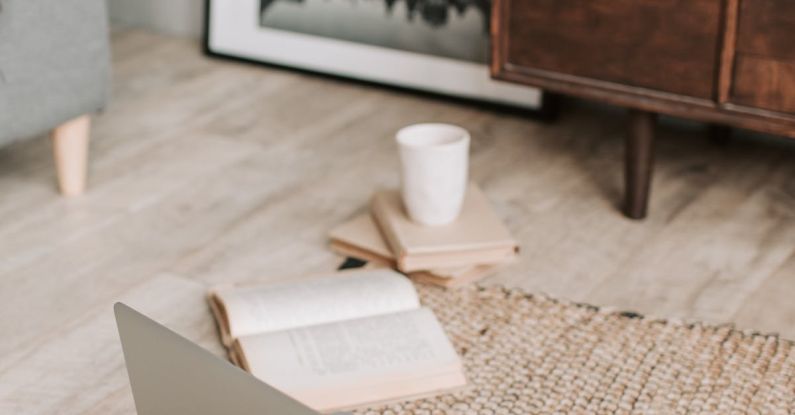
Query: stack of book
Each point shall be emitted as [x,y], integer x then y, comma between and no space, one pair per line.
[470,248]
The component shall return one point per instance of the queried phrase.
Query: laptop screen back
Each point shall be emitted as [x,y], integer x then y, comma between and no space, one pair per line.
[171,375]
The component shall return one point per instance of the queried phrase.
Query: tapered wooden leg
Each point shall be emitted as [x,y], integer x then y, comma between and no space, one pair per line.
[638,163]
[719,134]
[70,144]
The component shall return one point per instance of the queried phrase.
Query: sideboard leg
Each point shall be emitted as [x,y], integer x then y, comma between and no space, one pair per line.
[719,134]
[638,163]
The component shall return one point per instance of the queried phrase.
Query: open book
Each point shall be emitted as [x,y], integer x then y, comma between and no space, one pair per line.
[339,341]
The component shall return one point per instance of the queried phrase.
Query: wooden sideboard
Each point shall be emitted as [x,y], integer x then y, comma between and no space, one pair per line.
[730,63]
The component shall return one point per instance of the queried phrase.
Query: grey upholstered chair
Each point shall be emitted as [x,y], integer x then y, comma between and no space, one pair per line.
[54,73]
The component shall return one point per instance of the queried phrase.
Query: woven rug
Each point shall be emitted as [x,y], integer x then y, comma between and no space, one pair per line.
[527,354]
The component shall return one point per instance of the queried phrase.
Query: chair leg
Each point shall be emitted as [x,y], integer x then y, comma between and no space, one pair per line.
[638,163]
[70,144]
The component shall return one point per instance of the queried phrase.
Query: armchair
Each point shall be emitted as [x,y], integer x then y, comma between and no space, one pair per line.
[54,73]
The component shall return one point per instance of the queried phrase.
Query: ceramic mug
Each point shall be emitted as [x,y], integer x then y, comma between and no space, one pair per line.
[434,161]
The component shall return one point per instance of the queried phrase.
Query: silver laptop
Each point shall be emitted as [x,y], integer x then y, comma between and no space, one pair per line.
[170,375]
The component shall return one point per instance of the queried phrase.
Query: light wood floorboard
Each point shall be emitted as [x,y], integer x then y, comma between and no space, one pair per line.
[221,172]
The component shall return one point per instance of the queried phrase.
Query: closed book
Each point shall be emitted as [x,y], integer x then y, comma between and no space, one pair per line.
[476,237]
[360,238]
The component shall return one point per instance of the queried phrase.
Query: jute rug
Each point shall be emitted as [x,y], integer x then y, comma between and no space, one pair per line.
[528,354]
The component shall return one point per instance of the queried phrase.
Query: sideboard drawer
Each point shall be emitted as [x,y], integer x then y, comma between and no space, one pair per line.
[663,45]
[764,83]
[764,63]
[767,28]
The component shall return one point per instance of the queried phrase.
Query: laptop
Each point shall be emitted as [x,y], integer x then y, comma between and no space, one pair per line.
[170,375]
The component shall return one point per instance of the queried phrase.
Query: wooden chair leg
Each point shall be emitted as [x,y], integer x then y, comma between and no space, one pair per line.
[70,144]
[638,163]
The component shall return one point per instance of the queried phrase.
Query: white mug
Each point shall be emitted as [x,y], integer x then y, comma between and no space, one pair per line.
[434,162]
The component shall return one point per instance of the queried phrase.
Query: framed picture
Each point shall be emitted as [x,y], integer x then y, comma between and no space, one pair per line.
[439,46]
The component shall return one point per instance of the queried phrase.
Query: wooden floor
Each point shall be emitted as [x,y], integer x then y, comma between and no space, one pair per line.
[222,172]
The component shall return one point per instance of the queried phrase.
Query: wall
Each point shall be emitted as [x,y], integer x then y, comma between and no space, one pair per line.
[173,17]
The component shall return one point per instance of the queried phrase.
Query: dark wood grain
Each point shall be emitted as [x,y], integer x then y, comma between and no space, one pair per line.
[764,83]
[629,42]
[728,49]
[767,28]
[764,67]
[639,162]
[510,31]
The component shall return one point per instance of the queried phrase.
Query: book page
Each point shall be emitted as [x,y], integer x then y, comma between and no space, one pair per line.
[330,363]
[339,296]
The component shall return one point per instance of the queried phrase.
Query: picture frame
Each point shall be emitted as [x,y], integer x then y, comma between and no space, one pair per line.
[240,30]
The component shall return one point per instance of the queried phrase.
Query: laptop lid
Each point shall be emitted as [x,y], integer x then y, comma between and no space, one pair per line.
[170,375]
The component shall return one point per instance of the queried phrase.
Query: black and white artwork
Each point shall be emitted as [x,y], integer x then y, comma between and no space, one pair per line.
[456,29]
[441,46]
